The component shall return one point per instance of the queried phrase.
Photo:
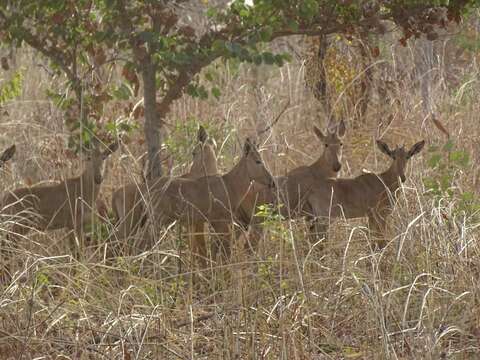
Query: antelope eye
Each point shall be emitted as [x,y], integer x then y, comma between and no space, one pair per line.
[326,145]
[341,144]
[258,162]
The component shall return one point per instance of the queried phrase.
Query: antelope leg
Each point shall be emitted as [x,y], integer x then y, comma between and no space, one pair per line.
[198,244]
[223,233]
[318,231]
[377,226]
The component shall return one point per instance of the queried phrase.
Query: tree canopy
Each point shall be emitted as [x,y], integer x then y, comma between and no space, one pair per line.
[151,40]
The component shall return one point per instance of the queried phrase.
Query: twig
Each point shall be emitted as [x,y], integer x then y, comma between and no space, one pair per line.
[439,125]
[272,124]
[191,321]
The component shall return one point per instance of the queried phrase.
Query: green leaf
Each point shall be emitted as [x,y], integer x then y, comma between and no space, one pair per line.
[468,196]
[308,8]
[292,24]
[146,36]
[192,90]
[212,13]
[460,158]
[202,92]
[279,60]
[448,145]
[197,91]
[268,58]
[208,76]
[266,33]
[257,59]
[123,92]
[434,161]
[218,46]
[216,92]
[11,88]
[110,127]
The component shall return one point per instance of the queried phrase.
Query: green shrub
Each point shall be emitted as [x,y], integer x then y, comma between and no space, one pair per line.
[448,162]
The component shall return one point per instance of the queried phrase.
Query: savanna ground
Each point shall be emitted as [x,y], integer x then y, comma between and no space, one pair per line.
[416,299]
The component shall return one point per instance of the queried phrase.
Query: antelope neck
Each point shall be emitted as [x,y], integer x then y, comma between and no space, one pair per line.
[202,169]
[90,185]
[237,182]
[319,168]
[390,178]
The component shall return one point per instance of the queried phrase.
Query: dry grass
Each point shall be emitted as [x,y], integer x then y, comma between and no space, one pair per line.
[417,299]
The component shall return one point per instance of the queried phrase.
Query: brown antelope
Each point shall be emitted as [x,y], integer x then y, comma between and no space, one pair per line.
[212,199]
[128,201]
[368,195]
[62,205]
[294,186]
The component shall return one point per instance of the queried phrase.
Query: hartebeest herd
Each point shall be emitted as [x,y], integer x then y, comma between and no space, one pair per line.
[203,197]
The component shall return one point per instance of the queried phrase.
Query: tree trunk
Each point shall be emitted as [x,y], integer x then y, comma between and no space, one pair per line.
[320,90]
[366,80]
[424,65]
[153,124]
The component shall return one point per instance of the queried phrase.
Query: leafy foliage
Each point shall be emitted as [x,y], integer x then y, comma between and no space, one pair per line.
[149,39]
[448,162]
[12,88]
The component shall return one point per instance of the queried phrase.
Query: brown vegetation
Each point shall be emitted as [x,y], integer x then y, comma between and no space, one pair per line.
[415,299]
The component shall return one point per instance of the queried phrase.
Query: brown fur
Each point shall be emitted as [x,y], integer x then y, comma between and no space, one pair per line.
[212,199]
[128,201]
[367,195]
[60,205]
[295,185]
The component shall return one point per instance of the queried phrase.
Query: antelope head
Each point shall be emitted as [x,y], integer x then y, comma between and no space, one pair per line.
[255,167]
[400,156]
[332,142]
[96,159]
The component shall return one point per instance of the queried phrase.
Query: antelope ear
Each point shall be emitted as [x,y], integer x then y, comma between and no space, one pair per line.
[114,146]
[202,135]
[8,153]
[111,149]
[384,148]
[416,148]
[248,147]
[341,129]
[319,133]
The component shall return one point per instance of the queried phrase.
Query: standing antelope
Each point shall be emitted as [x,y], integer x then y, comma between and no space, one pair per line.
[128,201]
[212,199]
[367,195]
[294,186]
[62,205]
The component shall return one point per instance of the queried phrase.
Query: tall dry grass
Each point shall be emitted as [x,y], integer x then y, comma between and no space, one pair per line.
[416,299]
